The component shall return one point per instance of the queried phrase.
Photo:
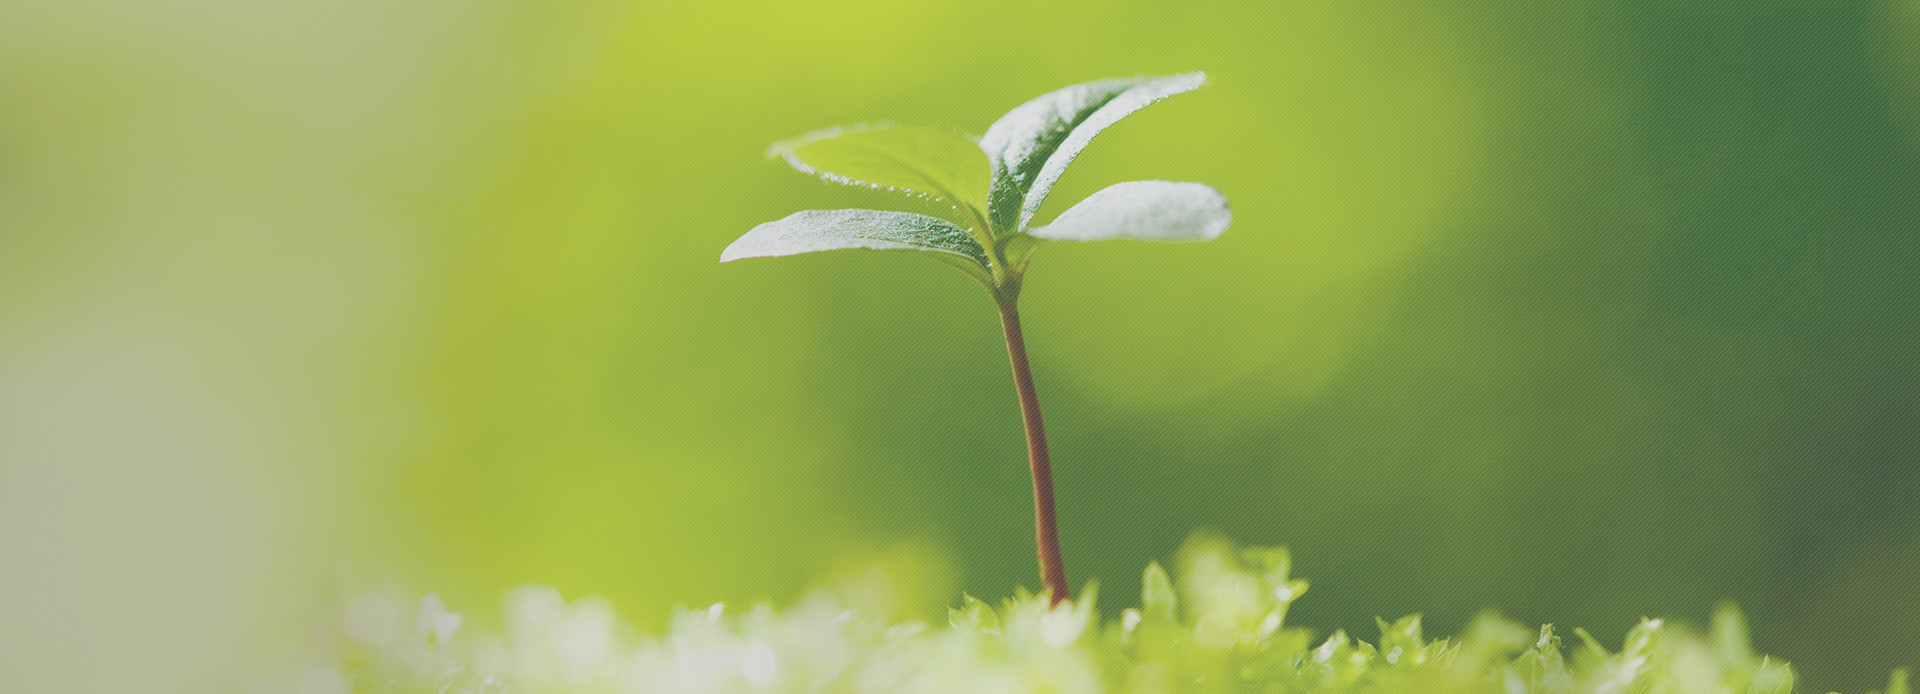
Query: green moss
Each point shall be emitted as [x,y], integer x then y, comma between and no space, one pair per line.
[1220,627]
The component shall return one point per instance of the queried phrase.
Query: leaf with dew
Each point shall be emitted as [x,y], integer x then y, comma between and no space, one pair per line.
[940,164]
[1031,146]
[828,230]
[1152,210]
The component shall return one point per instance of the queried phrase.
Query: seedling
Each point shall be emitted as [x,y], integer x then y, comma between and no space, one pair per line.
[995,184]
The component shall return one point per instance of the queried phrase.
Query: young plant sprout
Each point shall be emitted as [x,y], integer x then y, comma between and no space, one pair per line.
[995,185]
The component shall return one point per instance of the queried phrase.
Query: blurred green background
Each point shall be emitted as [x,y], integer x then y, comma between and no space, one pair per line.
[1579,310]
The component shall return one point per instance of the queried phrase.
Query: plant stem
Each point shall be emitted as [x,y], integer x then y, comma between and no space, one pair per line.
[1046,534]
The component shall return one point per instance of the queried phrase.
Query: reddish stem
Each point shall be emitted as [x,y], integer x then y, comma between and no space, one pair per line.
[1046,534]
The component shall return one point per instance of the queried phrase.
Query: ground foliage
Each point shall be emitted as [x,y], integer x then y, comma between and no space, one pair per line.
[1223,629]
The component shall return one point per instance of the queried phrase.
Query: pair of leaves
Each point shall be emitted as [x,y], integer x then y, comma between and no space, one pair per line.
[1031,146]
[996,185]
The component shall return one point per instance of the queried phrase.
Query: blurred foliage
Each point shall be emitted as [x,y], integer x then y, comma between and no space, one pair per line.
[1225,633]
[1578,310]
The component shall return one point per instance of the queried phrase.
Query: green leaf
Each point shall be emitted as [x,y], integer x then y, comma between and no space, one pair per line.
[827,230]
[1157,599]
[1153,210]
[1402,633]
[1772,678]
[1728,629]
[934,163]
[1030,147]
[976,616]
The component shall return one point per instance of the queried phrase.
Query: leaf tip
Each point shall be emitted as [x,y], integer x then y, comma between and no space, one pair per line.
[733,252]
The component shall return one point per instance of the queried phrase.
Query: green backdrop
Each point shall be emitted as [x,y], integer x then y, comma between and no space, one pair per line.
[1579,310]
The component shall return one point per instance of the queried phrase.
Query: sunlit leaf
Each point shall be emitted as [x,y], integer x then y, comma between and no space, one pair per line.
[1153,210]
[1157,599]
[935,163]
[1403,633]
[1031,146]
[828,230]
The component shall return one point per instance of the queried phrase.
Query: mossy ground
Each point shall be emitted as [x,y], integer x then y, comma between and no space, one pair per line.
[1222,630]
